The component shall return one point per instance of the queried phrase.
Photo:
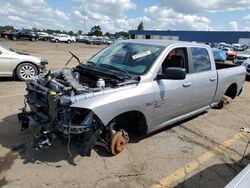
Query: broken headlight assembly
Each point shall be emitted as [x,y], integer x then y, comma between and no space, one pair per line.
[76,121]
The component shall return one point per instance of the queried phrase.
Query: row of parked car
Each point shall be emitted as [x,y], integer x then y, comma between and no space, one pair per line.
[20,34]
[237,57]
[224,51]
[34,36]
[234,46]
[94,40]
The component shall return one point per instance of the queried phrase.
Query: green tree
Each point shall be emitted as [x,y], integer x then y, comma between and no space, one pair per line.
[140,27]
[123,34]
[6,28]
[71,33]
[96,30]
[79,32]
[109,35]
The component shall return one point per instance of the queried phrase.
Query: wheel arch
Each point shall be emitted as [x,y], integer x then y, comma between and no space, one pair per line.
[232,91]
[134,120]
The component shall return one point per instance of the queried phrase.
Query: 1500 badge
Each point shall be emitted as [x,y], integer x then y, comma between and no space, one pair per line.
[159,103]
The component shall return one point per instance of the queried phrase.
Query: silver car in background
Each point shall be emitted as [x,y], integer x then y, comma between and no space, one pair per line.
[20,65]
[243,59]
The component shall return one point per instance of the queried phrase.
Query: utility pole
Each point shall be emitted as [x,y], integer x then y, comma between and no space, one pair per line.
[84,25]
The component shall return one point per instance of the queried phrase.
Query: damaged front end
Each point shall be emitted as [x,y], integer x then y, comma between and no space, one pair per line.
[50,97]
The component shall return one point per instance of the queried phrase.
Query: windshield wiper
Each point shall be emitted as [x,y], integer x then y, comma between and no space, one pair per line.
[92,64]
[114,68]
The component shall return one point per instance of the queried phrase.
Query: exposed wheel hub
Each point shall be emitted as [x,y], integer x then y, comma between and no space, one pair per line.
[118,143]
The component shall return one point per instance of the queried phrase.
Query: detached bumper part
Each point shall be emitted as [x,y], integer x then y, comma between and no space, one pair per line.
[89,142]
[42,69]
[23,117]
[43,140]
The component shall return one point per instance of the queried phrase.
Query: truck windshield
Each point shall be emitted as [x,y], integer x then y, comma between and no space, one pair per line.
[128,57]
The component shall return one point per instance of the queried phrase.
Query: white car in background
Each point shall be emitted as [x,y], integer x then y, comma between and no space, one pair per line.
[247,65]
[237,47]
[63,38]
[43,36]
[243,59]
[81,38]
[20,65]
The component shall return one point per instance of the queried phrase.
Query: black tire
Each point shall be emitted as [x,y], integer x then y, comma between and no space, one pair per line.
[26,71]
[56,41]
[247,78]
[5,36]
[220,105]
[14,38]
[33,39]
[69,41]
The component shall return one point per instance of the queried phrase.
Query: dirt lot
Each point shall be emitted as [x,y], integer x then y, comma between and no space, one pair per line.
[205,151]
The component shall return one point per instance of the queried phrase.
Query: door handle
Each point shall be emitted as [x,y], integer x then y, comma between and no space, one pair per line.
[187,84]
[212,79]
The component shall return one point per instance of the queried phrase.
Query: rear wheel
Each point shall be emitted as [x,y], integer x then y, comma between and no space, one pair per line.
[26,71]
[56,40]
[69,41]
[223,101]
[14,38]
[247,78]
[33,39]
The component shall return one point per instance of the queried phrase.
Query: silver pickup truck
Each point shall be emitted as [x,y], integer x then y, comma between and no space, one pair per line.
[133,86]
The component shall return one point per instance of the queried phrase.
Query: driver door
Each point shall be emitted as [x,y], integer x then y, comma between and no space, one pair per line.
[172,97]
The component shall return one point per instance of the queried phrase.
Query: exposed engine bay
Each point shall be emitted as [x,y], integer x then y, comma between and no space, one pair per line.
[51,95]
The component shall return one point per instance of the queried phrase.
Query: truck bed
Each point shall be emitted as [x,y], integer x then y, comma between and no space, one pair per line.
[228,75]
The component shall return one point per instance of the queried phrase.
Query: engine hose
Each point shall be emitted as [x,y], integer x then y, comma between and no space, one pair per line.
[69,78]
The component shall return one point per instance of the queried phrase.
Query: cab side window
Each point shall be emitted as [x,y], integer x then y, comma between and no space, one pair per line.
[201,60]
[176,58]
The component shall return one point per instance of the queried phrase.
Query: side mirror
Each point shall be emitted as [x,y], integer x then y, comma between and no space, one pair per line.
[172,73]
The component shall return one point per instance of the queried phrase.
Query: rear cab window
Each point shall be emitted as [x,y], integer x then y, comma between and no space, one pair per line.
[200,60]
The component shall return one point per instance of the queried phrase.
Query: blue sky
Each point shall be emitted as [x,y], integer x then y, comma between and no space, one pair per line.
[123,15]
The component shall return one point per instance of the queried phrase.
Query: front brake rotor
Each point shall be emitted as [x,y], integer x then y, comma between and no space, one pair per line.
[118,143]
